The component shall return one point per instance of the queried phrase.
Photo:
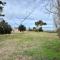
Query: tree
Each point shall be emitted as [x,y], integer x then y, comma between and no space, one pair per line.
[5,28]
[21,28]
[34,28]
[3,3]
[40,23]
[55,10]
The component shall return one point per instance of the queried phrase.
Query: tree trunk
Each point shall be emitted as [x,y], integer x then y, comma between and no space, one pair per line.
[58,28]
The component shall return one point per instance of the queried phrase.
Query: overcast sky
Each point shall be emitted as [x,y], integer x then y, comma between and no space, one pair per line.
[16,10]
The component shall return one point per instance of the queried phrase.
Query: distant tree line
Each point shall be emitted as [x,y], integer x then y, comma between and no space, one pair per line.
[5,28]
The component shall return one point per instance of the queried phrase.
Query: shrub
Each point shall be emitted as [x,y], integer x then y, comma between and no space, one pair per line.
[34,28]
[21,28]
[40,29]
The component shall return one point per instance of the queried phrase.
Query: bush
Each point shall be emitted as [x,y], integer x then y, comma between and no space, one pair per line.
[36,30]
[5,28]
[40,29]
[21,28]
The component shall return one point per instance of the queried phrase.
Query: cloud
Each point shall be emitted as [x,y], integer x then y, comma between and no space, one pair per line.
[17,10]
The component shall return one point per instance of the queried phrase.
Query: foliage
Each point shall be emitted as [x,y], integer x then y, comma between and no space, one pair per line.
[40,23]
[21,28]
[40,29]
[34,28]
[3,3]
[5,28]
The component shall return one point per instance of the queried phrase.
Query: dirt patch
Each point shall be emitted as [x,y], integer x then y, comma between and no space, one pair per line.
[23,57]
[8,48]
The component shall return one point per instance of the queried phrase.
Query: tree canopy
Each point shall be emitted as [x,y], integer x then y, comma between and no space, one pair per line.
[40,23]
[5,28]
[21,28]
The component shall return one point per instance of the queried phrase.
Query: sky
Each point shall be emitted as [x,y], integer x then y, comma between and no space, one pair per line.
[17,10]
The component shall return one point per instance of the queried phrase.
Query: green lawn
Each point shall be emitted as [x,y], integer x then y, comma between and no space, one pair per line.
[30,46]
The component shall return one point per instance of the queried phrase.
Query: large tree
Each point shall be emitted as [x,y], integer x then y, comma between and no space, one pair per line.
[5,28]
[40,23]
[55,10]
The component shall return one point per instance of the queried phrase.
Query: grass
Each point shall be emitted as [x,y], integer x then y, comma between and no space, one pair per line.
[30,46]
